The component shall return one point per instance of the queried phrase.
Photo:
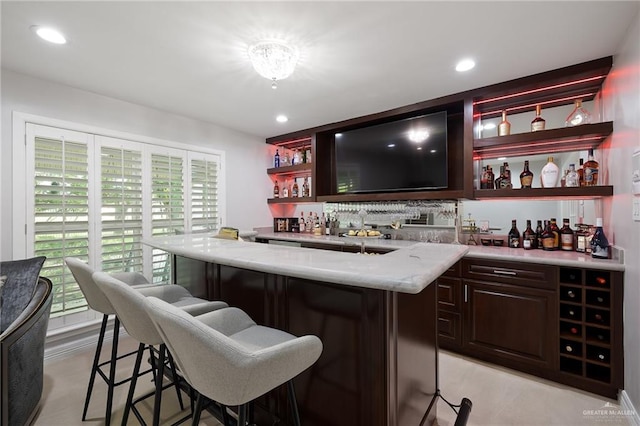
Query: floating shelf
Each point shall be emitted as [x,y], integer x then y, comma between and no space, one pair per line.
[564,139]
[291,200]
[392,196]
[582,192]
[298,169]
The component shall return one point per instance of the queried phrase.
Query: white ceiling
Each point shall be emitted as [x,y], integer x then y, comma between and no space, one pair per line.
[357,58]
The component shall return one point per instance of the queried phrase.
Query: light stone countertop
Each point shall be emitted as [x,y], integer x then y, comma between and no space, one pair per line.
[559,257]
[406,270]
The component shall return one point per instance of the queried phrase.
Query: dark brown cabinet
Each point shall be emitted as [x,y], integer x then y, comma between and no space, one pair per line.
[559,323]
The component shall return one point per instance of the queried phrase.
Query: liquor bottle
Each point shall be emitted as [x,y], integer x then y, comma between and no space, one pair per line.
[581,238]
[295,191]
[498,181]
[581,173]
[590,170]
[285,189]
[504,128]
[526,177]
[323,225]
[556,232]
[507,171]
[301,224]
[549,174]
[503,181]
[566,236]
[563,179]
[572,179]
[309,223]
[599,242]
[539,231]
[308,152]
[304,156]
[529,240]
[538,122]
[276,190]
[490,178]
[548,238]
[514,235]
[276,159]
[305,188]
[286,160]
[297,159]
[578,116]
[483,178]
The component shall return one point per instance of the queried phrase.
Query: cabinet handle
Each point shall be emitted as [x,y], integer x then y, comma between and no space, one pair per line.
[498,271]
[466,293]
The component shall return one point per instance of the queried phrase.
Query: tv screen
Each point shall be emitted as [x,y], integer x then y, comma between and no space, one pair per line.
[409,154]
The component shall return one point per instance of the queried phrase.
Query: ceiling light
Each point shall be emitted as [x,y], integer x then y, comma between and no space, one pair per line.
[465,65]
[433,151]
[282,119]
[273,59]
[419,148]
[418,136]
[49,34]
[391,145]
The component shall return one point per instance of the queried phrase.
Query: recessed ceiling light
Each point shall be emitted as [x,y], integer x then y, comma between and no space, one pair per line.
[282,119]
[419,148]
[49,34]
[465,65]
[338,135]
[433,151]
[391,145]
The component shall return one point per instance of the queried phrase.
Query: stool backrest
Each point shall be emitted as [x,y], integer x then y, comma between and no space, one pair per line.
[83,273]
[129,307]
[221,368]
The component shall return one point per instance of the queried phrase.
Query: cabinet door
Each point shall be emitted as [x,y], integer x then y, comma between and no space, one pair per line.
[509,323]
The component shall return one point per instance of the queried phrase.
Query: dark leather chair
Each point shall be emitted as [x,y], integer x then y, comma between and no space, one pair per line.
[25,304]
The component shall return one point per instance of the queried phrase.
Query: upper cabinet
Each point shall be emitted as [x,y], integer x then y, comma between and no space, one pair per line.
[472,143]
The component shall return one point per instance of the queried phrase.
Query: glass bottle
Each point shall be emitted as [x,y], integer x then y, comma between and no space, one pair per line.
[514,235]
[301,224]
[566,236]
[305,188]
[578,116]
[498,181]
[549,174]
[297,159]
[276,159]
[295,191]
[276,190]
[526,177]
[563,179]
[599,242]
[529,240]
[548,238]
[507,171]
[590,169]
[556,232]
[538,122]
[483,178]
[490,178]
[286,160]
[304,156]
[581,238]
[572,179]
[539,231]
[580,171]
[504,128]
[285,189]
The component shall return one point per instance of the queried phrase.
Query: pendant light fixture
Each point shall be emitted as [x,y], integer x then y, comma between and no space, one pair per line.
[273,59]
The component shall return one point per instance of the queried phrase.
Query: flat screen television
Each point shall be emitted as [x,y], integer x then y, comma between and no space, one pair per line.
[403,155]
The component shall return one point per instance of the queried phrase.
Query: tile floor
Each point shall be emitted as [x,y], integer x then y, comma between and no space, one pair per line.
[500,396]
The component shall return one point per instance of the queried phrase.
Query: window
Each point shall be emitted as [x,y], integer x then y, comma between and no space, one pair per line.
[97,197]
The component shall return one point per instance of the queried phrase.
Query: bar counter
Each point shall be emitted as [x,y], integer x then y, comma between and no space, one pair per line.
[375,314]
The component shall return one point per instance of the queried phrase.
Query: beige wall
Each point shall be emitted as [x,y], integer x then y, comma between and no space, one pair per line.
[622,105]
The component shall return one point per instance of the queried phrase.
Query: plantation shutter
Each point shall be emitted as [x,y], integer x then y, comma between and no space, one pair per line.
[204,194]
[167,207]
[61,209]
[121,209]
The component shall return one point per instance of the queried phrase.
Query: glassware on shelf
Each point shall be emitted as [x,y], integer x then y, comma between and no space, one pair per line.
[549,174]
[504,128]
[572,179]
[526,177]
[578,116]
[538,122]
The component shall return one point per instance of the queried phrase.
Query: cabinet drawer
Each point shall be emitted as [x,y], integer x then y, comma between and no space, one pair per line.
[524,274]
[449,293]
[449,329]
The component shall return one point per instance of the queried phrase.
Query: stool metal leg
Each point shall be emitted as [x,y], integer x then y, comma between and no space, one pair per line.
[292,401]
[159,379]
[176,379]
[242,415]
[198,410]
[94,369]
[132,385]
[112,370]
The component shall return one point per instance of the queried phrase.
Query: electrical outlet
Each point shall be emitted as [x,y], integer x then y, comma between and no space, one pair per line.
[636,208]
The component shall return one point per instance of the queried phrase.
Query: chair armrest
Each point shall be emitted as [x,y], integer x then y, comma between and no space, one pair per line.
[42,292]
[227,321]
[170,293]
[131,278]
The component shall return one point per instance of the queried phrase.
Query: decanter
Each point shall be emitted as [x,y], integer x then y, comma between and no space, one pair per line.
[578,116]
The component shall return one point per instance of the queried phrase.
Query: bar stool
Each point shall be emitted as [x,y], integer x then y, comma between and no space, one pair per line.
[229,359]
[99,302]
[128,304]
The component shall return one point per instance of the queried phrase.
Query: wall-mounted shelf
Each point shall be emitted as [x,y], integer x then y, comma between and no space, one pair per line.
[291,200]
[298,169]
[391,196]
[582,192]
[550,141]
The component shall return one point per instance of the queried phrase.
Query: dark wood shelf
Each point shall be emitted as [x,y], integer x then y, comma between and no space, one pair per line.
[549,141]
[291,200]
[298,169]
[392,196]
[583,192]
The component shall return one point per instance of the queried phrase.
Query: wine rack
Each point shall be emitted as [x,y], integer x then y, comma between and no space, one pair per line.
[590,328]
